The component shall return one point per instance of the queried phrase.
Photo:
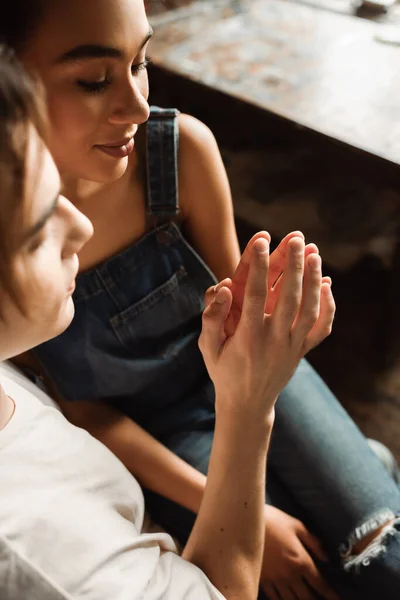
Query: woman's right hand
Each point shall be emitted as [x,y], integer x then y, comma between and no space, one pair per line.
[289,569]
[250,367]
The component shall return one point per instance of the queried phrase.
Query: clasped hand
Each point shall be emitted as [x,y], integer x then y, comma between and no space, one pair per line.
[259,324]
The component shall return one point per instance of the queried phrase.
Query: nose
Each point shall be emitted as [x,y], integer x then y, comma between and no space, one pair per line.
[79,228]
[131,104]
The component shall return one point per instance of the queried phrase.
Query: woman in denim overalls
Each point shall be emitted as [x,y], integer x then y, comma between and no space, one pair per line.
[133,346]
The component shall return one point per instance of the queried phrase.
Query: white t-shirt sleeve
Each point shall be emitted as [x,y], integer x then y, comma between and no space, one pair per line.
[176,578]
[71,517]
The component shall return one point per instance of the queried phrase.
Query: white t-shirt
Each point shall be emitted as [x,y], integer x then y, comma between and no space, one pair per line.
[71,516]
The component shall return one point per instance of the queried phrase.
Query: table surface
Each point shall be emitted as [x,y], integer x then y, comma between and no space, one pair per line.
[310,63]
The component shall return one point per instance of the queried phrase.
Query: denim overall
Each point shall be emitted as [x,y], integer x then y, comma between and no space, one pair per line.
[133,343]
[133,340]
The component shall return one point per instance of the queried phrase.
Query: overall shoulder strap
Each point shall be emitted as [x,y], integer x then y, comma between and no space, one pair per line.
[162,139]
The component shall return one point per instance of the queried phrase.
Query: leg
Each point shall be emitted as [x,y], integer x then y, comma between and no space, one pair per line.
[321,457]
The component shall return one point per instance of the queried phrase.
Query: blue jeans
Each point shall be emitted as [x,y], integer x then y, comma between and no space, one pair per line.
[321,471]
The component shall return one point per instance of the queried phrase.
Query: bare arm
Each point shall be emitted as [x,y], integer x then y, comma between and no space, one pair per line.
[249,369]
[227,540]
[205,198]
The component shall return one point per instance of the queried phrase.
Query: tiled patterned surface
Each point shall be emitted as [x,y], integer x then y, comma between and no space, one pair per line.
[285,178]
[318,68]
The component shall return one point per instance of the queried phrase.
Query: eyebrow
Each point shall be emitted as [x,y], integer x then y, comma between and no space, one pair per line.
[38,226]
[91,51]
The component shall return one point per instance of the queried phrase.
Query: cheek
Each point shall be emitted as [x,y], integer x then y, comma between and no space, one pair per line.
[52,310]
[48,310]
[47,281]
[145,86]
[74,121]
[47,295]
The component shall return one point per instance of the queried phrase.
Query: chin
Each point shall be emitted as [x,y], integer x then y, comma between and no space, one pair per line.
[107,171]
[98,170]
[64,319]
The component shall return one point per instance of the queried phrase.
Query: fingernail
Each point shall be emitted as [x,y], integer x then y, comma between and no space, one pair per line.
[297,244]
[327,288]
[261,246]
[219,298]
[298,234]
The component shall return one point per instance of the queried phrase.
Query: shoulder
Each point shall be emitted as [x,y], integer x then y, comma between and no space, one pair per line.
[194,136]
[201,170]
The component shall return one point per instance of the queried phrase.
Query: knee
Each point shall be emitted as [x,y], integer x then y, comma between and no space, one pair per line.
[370,542]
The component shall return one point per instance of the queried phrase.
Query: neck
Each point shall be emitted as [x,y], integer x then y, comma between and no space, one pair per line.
[80,190]
[6,408]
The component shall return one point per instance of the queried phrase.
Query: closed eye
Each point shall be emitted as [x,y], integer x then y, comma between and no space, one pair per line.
[140,66]
[94,87]
[97,87]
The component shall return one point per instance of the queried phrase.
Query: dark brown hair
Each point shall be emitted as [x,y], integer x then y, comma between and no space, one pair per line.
[18,21]
[21,107]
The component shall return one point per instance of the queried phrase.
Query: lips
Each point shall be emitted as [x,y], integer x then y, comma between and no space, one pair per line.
[118,149]
[71,288]
[72,285]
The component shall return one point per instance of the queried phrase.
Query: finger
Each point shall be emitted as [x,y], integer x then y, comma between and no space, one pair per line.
[311,249]
[319,585]
[246,256]
[286,593]
[240,277]
[212,335]
[312,543]
[255,295]
[274,292]
[273,295]
[323,326]
[311,573]
[278,257]
[310,304]
[242,270]
[302,591]
[270,592]
[213,290]
[291,285]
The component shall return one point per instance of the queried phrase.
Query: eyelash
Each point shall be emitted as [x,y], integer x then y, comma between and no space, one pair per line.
[98,87]
[36,244]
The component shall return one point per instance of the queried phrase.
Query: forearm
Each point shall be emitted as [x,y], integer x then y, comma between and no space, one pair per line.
[227,540]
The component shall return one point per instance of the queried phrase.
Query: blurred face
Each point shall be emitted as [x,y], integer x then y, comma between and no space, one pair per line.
[91,56]
[46,264]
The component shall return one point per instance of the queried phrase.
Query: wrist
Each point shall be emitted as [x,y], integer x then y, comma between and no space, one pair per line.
[248,426]
[195,496]
[246,415]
